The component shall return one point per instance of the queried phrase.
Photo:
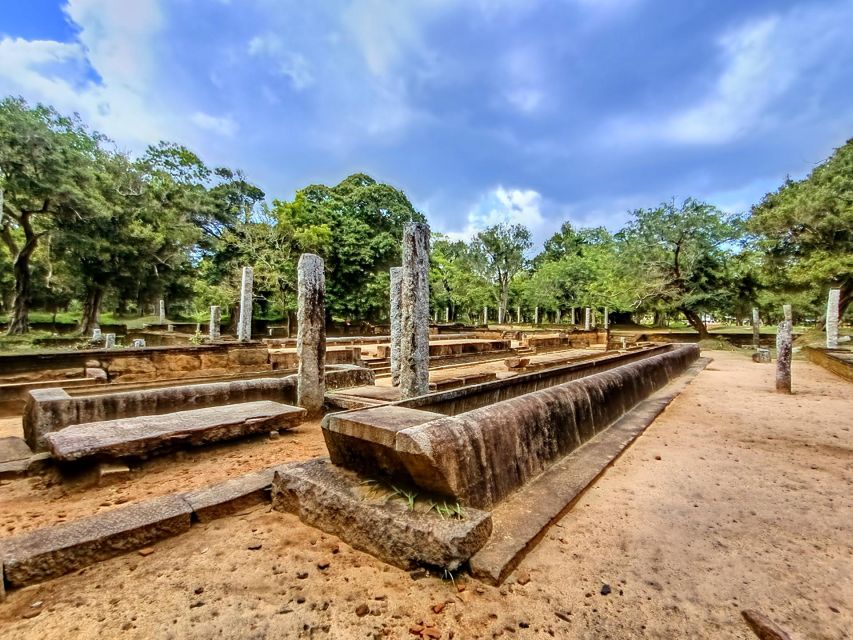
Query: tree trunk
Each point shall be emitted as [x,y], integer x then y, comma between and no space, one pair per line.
[19,320]
[696,322]
[91,309]
[660,320]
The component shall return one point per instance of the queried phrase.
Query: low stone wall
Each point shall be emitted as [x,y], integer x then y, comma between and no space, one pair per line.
[131,365]
[50,410]
[838,361]
[574,340]
[289,358]
[439,349]
[479,457]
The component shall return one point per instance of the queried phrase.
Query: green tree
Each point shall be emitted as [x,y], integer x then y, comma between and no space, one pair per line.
[805,230]
[503,248]
[680,255]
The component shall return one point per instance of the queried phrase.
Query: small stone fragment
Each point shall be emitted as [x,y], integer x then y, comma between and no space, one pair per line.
[416,629]
[196,605]
[198,590]
[302,575]
[438,608]
[274,435]
[523,577]
[657,457]
[146,551]
[255,546]
[605,589]
[763,627]
[431,632]
[362,610]
[563,616]
[323,564]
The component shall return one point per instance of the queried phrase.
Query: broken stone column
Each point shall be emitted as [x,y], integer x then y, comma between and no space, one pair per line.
[587,321]
[311,334]
[109,341]
[244,326]
[162,312]
[756,329]
[414,311]
[832,305]
[215,321]
[784,339]
[396,327]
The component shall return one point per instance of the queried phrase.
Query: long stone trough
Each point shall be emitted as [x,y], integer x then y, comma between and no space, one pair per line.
[471,449]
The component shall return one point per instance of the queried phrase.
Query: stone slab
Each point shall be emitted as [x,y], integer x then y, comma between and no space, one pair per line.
[523,519]
[331,498]
[53,551]
[386,394]
[14,469]
[13,448]
[232,496]
[147,434]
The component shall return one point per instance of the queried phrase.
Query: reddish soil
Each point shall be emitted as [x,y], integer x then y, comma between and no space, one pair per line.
[735,498]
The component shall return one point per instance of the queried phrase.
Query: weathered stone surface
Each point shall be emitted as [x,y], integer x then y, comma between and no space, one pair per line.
[516,363]
[784,345]
[396,322]
[364,440]
[756,329]
[53,551]
[832,306]
[14,468]
[110,472]
[763,627]
[227,498]
[332,499]
[213,324]
[256,357]
[587,319]
[12,448]
[244,325]
[162,308]
[311,335]
[414,311]
[481,456]
[761,355]
[148,434]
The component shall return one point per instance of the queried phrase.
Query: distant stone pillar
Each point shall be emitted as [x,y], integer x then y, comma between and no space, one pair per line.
[244,326]
[435,316]
[109,340]
[756,328]
[96,335]
[414,311]
[606,318]
[162,312]
[832,305]
[518,314]
[587,321]
[536,315]
[574,317]
[311,334]
[396,322]
[784,340]
[558,316]
[215,321]
[486,315]
[500,313]
[446,315]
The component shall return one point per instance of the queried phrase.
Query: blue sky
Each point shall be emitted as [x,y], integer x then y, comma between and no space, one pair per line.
[480,110]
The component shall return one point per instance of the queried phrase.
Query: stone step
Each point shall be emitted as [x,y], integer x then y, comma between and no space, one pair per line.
[145,435]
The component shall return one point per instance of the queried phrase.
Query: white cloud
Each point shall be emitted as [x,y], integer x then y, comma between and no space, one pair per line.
[223,125]
[502,205]
[288,63]
[759,64]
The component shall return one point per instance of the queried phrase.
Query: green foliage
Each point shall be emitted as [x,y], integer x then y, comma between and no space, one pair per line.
[804,231]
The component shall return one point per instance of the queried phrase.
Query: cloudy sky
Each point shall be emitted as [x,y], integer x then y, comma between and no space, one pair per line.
[535,111]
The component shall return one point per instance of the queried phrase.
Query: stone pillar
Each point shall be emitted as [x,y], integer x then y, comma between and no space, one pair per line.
[574,317]
[311,334]
[832,305]
[396,327]
[784,339]
[244,326]
[109,341]
[558,316]
[500,313]
[518,314]
[606,318]
[414,310]
[587,321]
[215,321]
[446,315]
[435,316]
[96,335]
[536,315]
[162,312]
[756,328]
[486,315]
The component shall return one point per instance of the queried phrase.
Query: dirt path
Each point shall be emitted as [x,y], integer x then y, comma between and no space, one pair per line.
[749,506]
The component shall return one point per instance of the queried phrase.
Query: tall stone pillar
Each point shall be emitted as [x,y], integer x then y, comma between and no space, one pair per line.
[606,318]
[244,326]
[311,334]
[414,311]
[486,315]
[574,317]
[518,314]
[215,322]
[446,315]
[784,340]
[162,312]
[396,320]
[832,305]
[756,328]
[536,315]
[587,321]
[500,313]
[558,316]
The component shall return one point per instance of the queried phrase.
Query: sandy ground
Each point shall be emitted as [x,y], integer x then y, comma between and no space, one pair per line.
[749,506]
